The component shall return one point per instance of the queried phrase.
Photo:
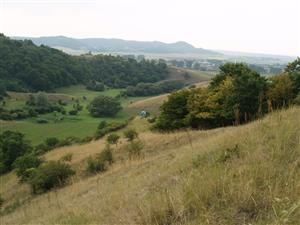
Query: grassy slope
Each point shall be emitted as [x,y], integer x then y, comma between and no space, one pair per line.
[237,175]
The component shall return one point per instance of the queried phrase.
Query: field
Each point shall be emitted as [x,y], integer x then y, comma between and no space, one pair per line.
[236,175]
[83,124]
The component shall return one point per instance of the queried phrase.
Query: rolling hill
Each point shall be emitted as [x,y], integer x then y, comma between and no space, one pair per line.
[119,45]
[236,175]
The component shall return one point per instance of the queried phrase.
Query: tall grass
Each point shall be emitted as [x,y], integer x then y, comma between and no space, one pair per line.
[250,177]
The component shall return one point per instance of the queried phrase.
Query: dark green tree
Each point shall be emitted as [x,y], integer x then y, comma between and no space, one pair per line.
[104,106]
[293,70]
[173,111]
[12,146]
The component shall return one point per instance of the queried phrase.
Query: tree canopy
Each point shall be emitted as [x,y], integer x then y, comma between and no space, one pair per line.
[104,106]
[12,146]
[236,95]
[25,66]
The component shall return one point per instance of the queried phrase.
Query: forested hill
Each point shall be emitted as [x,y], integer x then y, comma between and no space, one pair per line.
[25,66]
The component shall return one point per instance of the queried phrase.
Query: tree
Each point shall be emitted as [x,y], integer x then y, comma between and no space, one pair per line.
[95,86]
[173,111]
[209,108]
[25,66]
[113,139]
[293,70]
[280,92]
[248,90]
[42,100]
[12,146]
[104,106]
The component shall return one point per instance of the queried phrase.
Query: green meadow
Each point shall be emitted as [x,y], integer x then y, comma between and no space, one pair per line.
[81,125]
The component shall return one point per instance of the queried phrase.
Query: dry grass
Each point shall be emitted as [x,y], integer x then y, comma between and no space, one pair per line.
[183,178]
[150,104]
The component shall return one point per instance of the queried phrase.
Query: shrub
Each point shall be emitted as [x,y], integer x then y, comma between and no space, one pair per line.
[73,112]
[86,140]
[25,163]
[229,154]
[130,134]
[151,119]
[41,149]
[42,120]
[113,139]
[52,142]
[106,155]
[102,124]
[67,157]
[134,148]
[104,106]
[50,175]
[100,162]
[105,128]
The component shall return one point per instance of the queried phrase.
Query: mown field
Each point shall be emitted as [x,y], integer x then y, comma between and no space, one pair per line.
[83,124]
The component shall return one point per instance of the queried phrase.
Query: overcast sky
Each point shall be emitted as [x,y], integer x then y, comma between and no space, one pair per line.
[263,26]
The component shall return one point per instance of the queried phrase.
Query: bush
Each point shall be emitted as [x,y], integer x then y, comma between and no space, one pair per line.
[151,119]
[113,139]
[42,120]
[104,106]
[105,128]
[130,134]
[25,163]
[100,162]
[41,149]
[134,148]
[73,112]
[52,142]
[50,175]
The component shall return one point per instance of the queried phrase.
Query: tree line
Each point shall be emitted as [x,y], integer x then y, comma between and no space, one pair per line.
[236,95]
[27,67]
[148,89]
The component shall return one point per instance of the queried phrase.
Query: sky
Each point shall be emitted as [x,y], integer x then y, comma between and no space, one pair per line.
[259,26]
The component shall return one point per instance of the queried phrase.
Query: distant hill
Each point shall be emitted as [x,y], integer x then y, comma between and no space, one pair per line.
[119,45]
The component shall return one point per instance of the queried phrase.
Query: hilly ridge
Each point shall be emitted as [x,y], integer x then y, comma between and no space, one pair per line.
[118,45]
